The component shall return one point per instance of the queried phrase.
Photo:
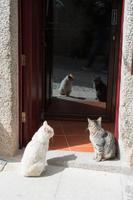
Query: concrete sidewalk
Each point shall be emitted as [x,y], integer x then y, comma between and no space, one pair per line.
[64,183]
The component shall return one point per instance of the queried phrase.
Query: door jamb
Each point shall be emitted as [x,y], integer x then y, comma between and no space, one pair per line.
[116,131]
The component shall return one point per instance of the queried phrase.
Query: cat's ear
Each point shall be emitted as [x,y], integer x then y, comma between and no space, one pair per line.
[99,120]
[45,123]
[89,120]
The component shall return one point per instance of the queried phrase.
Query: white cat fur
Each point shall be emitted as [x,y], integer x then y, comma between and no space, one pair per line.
[34,158]
[66,85]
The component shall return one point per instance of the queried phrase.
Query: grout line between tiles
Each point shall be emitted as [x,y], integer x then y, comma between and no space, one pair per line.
[61,126]
[65,135]
[70,148]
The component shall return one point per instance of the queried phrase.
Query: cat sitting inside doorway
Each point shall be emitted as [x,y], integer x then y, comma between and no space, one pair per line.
[101,89]
[66,85]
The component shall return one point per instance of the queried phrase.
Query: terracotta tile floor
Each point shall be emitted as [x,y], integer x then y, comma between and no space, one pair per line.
[72,136]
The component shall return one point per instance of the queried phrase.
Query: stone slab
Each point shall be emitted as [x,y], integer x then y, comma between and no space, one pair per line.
[89,185]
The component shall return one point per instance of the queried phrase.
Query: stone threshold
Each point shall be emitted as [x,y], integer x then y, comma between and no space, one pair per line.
[85,161]
[74,159]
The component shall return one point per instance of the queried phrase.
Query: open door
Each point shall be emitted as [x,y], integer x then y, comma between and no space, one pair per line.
[82,39]
[30,56]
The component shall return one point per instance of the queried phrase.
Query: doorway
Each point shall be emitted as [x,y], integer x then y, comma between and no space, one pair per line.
[80,41]
[63,37]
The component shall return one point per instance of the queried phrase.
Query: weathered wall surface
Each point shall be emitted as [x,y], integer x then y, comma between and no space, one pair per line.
[126,90]
[8,77]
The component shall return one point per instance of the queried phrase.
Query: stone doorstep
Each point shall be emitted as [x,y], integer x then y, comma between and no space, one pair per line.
[68,159]
[85,161]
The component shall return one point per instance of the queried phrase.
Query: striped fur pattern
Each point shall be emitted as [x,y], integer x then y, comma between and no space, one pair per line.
[102,140]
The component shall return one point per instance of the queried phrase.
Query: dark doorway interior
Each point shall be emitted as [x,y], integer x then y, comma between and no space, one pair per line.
[80,39]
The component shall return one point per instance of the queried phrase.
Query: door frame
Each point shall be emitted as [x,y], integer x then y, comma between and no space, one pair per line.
[30,76]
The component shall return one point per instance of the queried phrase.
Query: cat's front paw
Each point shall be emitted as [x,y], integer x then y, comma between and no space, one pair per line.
[99,158]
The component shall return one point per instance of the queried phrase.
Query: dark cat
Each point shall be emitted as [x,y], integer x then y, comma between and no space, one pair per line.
[101,89]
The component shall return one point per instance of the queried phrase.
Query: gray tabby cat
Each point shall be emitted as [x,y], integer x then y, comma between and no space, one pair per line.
[103,141]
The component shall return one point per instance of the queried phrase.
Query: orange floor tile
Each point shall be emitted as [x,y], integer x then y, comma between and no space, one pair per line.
[72,136]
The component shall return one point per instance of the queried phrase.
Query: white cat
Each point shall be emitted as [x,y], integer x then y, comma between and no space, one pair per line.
[34,158]
[66,85]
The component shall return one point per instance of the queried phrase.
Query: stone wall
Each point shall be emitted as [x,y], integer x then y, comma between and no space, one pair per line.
[8,77]
[126,90]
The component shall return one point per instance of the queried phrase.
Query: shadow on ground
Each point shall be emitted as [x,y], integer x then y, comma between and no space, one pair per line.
[59,164]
